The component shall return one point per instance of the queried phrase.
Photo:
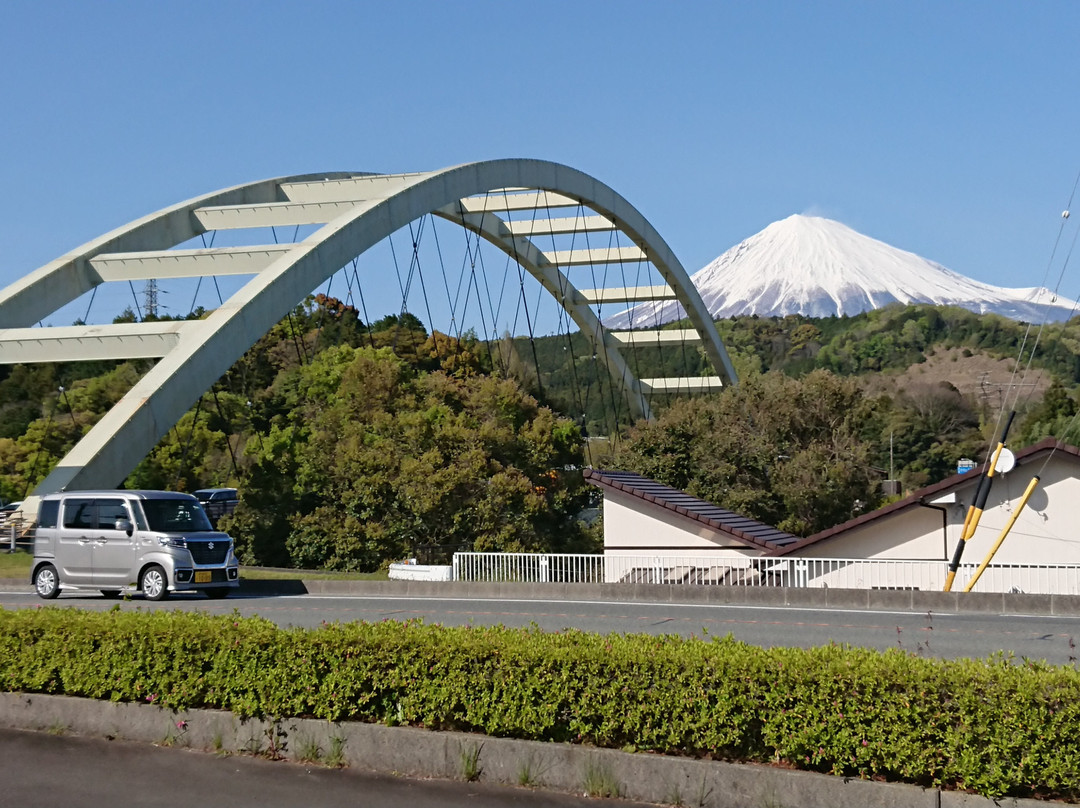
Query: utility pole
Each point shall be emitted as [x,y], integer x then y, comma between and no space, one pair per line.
[891,487]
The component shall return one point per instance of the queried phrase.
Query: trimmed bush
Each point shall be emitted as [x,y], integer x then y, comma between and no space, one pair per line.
[997,727]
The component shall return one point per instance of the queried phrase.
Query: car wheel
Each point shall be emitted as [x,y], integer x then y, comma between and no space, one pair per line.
[47,582]
[217,593]
[153,583]
[111,594]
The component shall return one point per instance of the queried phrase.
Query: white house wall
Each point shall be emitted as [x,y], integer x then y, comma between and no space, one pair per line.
[1047,531]
[639,536]
[914,533]
[633,526]
[646,544]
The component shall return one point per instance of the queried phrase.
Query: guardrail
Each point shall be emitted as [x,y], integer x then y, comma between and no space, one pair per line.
[809,573]
[15,532]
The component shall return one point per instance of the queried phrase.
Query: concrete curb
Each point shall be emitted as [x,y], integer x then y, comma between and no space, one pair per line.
[869,599]
[872,599]
[446,755]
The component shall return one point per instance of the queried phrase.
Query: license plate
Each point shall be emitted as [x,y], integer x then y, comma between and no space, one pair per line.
[202,577]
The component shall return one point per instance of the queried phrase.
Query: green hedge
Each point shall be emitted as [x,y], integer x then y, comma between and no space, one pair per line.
[997,727]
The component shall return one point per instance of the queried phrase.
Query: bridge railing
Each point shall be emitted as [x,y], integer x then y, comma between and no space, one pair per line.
[836,573]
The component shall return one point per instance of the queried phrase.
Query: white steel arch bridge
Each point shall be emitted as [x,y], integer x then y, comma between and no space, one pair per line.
[513,204]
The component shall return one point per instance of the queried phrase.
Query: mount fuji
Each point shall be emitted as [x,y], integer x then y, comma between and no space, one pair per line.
[819,267]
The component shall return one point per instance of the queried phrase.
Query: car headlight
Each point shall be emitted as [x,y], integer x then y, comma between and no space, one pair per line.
[168,541]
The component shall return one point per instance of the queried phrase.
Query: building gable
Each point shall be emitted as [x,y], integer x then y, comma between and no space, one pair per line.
[722,528]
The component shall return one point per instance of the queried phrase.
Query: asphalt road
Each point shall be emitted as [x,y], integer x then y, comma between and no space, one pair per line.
[47,771]
[940,635]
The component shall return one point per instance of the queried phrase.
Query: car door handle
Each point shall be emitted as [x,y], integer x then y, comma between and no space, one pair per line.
[84,540]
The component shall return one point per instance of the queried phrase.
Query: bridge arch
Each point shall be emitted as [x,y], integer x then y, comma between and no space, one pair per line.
[354,211]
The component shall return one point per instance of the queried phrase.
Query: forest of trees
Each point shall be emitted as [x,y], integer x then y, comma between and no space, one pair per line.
[353,442]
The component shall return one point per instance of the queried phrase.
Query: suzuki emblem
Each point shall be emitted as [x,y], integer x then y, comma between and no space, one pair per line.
[210,545]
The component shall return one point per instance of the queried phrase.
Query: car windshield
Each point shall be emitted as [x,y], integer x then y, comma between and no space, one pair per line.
[176,516]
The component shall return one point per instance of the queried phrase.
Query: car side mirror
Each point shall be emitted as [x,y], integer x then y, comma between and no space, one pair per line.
[124,525]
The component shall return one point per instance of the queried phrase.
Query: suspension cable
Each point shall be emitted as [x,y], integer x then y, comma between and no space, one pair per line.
[138,309]
[93,294]
[322,316]
[301,352]
[228,436]
[195,297]
[598,338]
[363,306]
[586,343]
[28,481]
[187,445]
[217,288]
[406,286]
[423,286]
[402,289]
[67,403]
[455,328]
[634,352]
[565,318]
[524,300]
[472,253]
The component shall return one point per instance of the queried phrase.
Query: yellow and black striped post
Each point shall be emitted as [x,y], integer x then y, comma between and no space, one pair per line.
[1004,532]
[974,514]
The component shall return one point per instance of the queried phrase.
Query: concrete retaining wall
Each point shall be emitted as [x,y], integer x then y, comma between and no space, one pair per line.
[447,755]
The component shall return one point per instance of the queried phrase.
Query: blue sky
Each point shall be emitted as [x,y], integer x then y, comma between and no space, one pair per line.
[944,128]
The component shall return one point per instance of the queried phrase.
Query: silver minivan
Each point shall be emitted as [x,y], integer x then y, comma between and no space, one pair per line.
[154,542]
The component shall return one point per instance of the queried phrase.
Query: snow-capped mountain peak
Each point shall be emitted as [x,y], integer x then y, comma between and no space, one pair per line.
[819,267]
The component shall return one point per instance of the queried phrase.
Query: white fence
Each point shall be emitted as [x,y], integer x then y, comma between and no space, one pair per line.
[835,573]
[529,567]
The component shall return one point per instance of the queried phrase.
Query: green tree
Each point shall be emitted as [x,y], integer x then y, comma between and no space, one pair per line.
[1053,416]
[379,458]
[199,452]
[932,427]
[784,451]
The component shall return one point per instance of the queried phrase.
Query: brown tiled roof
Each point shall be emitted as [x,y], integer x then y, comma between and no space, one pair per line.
[738,527]
[1031,453]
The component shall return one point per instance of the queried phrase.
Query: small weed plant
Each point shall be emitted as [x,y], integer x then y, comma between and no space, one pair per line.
[599,781]
[277,741]
[526,774]
[336,756]
[309,751]
[470,762]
